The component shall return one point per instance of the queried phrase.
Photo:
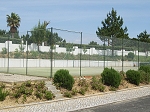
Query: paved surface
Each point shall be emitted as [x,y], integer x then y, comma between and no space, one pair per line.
[82,102]
[136,105]
[52,88]
[10,78]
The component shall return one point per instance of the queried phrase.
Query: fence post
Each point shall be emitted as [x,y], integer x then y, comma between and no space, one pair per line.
[122,55]
[8,54]
[80,53]
[27,53]
[51,53]
[104,52]
[138,52]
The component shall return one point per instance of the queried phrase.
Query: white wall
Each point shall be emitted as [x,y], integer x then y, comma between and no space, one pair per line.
[62,63]
[91,51]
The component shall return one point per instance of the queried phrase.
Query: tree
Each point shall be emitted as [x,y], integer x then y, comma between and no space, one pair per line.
[130,56]
[2,32]
[112,28]
[144,39]
[13,21]
[40,34]
[84,49]
[93,43]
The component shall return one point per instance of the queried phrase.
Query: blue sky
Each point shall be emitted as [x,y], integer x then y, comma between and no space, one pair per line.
[78,15]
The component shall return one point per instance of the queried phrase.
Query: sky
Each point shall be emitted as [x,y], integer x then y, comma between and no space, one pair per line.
[79,15]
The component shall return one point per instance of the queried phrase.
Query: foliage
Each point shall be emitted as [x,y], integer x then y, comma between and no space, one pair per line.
[112,26]
[74,91]
[67,94]
[93,43]
[133,76]
[130,56]
[3,94]
[2,32]
[82,91]
[145,68]
[69,47]
[111,77]
[14,40]
[84,49]
[27,89]
[40,34]
[17,53]
[13,21]
[144,77]
[83,82]
[144,37]
[4,50]
[49,95]
[112,88]
[64,79]
[97,84]
[2,85]
[145,73]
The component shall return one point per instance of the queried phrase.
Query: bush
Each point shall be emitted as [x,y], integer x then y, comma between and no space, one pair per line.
[133,76]
[4,50]
[145,68]
[97,84]
[3,94]
[111,77]
[64,79]
[49,95]
[82,91]
[74,91]
[130,56]
[67,94]
[144,77]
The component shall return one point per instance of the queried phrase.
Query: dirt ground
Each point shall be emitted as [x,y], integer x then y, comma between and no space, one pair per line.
[12,101]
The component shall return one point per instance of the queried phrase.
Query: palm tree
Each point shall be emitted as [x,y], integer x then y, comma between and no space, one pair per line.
[13,21]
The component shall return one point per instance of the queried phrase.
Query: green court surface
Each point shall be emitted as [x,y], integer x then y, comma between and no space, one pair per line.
[46,72]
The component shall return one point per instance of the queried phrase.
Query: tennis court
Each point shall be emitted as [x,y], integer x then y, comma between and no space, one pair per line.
[46,72]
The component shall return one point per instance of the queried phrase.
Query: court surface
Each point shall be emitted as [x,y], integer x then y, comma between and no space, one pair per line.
[46,72]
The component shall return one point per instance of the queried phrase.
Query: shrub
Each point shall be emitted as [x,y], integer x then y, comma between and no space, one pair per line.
[144,77]
[49,95]
[112,88]
[4,50]
[64,79]
[133,76]
[28,83]
[74,91]
[38,94]
[82,91]
[97,84]
[3,94]
[111,77]
[17,54]
[2,85]
[130,56]
[145,68]
[67,94]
